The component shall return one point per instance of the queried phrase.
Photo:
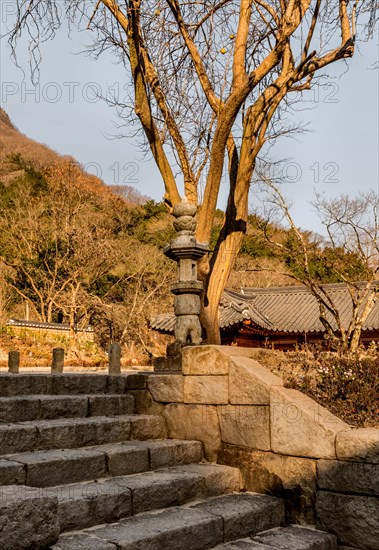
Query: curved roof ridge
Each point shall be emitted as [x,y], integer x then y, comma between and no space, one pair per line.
[245,291]
[246,308]
[281,309]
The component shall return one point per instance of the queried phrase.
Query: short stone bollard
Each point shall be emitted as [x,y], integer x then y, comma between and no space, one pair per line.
[14,362]
[58,361]
[114,359]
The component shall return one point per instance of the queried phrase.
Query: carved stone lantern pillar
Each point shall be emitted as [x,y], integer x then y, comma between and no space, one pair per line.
[186,251]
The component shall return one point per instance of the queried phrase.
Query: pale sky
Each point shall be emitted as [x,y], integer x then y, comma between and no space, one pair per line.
[339,155]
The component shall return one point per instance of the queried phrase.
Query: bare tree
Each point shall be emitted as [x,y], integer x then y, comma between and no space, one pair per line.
[350,254]
[210,85]
[352,224]
[129,194]
[139,291]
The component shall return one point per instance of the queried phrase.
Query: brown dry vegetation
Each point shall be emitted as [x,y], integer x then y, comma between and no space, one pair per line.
[71,246]
[36,350]
[347,386]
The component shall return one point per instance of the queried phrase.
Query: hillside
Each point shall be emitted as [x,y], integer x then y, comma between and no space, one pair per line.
[12,141]
[73,249]
[14,145]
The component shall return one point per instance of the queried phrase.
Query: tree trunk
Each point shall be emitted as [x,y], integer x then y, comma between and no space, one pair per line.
[218,277]
[355,338]
[370,295]
[225,255]
[27,311]
[73,312]
[72,327]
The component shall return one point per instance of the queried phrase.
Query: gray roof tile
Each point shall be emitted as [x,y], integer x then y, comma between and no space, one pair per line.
[283,309]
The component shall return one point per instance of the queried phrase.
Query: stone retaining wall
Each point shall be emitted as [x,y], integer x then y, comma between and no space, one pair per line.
[283,442]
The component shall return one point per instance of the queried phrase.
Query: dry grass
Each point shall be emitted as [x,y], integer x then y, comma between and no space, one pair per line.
[36,349]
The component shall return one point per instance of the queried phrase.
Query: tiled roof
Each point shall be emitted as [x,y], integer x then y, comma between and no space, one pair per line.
[281,309]
[164,322]
[46,326]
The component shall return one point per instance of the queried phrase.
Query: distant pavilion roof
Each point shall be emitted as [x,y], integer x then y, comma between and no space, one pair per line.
[44,326]
[291,309]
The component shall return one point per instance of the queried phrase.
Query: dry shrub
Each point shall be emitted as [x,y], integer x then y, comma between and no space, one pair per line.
[347,386]
[350,388]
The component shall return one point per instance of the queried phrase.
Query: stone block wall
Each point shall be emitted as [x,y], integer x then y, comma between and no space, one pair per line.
[283,442]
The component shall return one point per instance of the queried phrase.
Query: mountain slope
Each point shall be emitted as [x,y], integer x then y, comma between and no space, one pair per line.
[12,141]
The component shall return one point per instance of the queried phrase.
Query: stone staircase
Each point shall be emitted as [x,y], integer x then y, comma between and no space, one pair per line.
[80,470]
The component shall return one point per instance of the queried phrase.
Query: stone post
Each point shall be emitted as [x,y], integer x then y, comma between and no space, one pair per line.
[186,251]
[14,362]
[58,361]
[114,359]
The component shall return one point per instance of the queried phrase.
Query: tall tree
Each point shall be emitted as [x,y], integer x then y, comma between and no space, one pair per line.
[210,83]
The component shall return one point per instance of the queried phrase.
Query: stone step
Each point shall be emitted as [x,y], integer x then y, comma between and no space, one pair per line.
[190,527]
[49,407]
[64,466]
[84,505]
[284,538]
[27,519]
[15,385]
[78,432]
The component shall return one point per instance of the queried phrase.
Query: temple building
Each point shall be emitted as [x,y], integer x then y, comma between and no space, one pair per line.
[279,318]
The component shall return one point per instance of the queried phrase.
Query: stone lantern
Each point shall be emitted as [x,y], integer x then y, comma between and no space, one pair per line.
[186,251]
